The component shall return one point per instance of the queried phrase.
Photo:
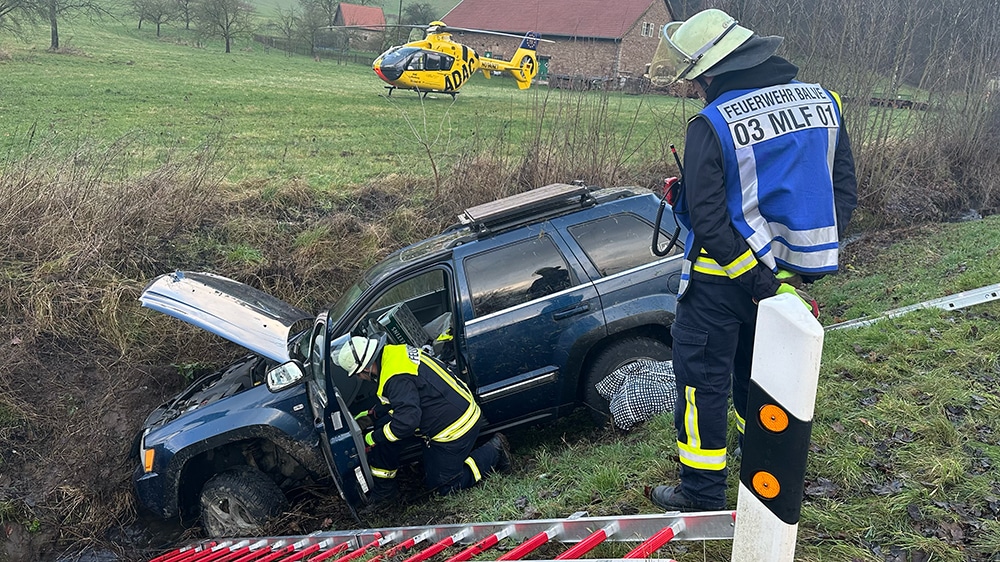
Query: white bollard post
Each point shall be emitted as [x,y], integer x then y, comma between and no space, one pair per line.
[788,347]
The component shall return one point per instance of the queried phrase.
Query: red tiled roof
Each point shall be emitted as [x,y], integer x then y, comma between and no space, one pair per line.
[599,19]
[367,16]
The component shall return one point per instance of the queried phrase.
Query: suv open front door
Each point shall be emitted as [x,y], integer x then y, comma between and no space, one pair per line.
[330,391]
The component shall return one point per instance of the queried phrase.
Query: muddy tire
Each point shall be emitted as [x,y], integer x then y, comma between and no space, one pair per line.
[614,356]
[238,502]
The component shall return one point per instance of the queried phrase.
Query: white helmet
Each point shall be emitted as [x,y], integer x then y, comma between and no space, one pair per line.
[689,49]
[355,354]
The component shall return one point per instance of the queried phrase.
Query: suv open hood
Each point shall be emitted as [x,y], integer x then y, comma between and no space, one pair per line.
[226,308]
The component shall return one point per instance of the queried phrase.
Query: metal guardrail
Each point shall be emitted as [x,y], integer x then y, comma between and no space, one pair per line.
[950,302]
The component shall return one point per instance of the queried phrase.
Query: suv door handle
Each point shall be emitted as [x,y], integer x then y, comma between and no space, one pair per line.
[579,309]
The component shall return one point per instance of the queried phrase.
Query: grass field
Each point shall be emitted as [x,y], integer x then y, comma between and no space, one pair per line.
[283,117]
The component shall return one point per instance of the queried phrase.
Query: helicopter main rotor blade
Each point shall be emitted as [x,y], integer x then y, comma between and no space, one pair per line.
[374,26]
[449,28]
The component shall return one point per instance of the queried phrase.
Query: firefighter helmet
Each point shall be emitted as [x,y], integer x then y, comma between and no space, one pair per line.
[689,49]
[355,354]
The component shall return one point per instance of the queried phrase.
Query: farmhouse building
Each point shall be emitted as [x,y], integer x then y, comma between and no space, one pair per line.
[593,38]
[370,23]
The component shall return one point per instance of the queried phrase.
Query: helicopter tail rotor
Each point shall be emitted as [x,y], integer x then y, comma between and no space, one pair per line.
[525,61]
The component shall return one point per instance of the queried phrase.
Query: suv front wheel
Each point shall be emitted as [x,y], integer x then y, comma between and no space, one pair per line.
[237,502]
[616,355]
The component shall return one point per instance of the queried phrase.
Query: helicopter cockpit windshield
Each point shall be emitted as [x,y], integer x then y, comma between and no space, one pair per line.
[397,60]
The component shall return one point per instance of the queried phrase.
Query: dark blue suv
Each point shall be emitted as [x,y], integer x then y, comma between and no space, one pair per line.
[532,300]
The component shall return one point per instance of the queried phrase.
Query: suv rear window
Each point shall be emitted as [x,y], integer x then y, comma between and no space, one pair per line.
[517,273]
[617,243]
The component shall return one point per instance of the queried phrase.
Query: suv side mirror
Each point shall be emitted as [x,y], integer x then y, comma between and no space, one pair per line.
[284,376]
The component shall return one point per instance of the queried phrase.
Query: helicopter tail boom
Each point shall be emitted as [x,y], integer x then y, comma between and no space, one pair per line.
[523,66]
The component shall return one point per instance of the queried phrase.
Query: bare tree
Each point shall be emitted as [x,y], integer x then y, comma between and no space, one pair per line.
[186,10]
[12,13]
[420,13]
[52,10]
[328,9]
[157,12]
[287,24]
[225,19]
[312,21]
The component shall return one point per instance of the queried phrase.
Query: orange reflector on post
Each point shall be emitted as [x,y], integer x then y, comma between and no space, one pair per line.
[765,484]
[773,418]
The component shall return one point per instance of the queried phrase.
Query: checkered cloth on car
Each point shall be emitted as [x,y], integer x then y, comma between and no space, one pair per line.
[638,391]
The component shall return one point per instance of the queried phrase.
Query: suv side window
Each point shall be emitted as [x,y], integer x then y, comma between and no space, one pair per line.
[426,297]
[515,274]
[617,243]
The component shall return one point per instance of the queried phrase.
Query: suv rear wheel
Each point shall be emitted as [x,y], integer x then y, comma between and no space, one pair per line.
[238,502]
[614,356]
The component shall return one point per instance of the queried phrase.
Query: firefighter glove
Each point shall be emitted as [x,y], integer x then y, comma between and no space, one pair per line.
[807,300]
[365,422]
[370,439]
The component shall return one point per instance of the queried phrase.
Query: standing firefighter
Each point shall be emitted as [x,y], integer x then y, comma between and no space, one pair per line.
[768,190]
[419,397]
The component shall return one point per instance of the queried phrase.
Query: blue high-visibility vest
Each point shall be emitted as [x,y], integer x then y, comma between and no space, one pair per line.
[778,147]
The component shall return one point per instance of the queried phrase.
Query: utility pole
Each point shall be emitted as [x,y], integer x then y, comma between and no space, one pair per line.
[399,21]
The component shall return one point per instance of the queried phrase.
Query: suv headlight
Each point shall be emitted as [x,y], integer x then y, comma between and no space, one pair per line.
[147,455]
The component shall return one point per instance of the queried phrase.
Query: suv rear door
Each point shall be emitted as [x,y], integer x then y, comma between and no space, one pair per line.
[523,291]
[636,287]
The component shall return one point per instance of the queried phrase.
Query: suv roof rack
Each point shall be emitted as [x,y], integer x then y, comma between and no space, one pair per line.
[524,207]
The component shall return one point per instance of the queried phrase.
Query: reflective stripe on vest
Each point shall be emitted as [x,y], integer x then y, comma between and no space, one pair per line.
[469,419]
[778,146]
[406,360]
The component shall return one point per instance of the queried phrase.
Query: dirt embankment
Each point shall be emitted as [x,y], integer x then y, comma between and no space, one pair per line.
[65,484]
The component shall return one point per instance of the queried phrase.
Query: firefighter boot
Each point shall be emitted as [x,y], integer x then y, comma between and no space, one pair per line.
[384,493]
[671,498]
[499,442]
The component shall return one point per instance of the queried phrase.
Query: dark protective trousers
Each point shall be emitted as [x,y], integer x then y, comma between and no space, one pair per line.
[448,467]
[713,336]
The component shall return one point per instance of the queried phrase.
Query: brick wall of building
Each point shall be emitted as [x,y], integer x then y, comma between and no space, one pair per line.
[591,58]
[636,50]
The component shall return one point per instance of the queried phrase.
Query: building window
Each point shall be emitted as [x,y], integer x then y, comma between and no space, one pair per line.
[648,29]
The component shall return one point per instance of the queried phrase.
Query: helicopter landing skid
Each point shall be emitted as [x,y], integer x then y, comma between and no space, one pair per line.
[419,91]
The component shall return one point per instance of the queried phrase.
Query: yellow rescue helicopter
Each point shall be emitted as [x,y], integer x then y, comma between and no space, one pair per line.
[437,63]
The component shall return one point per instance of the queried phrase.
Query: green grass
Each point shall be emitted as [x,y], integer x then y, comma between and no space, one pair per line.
[922,266]
[281,117]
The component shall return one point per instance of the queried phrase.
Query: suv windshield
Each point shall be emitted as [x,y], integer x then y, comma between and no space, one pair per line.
[347,299]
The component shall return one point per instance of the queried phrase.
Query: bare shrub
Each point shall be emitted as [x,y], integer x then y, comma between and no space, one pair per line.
[70,51]
[575,136]
[85,218]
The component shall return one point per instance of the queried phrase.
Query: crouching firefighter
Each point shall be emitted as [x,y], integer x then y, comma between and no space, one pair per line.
[420,397]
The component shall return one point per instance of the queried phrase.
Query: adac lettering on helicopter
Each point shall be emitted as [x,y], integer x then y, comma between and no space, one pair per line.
[458,76]
[454,80]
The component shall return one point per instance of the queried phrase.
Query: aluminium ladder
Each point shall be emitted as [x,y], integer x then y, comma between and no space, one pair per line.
[421,543]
